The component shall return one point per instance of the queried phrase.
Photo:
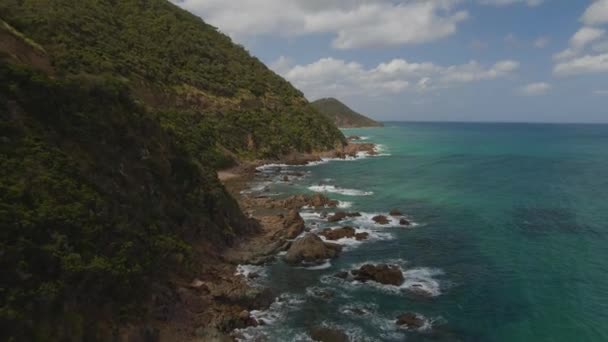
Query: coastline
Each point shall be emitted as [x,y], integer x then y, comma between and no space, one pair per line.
[221,297]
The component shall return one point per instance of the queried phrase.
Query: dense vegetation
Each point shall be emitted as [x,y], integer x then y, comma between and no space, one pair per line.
[172,59]
[97,200]
[114,116]
[342,115]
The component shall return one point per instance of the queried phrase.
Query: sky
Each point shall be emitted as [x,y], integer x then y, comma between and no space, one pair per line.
[432,60]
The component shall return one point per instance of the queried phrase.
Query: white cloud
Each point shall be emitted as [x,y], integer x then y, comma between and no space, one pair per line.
[541,42]
[336,77]
[354,24]
[530,3]
[585,36]
[596,13]
[578,57]
[579,42]
[535,89]
[582,65]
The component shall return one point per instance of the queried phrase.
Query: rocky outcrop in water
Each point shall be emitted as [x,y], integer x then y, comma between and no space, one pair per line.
[410,320]
[338,233]
[381,219]
[383,274]
[310,249]
[344,232]
[294,225]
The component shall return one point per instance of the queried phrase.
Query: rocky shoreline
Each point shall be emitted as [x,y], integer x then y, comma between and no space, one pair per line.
[218,300]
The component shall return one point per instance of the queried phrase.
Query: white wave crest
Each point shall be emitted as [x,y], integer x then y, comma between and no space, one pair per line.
[341,191]
[344,204]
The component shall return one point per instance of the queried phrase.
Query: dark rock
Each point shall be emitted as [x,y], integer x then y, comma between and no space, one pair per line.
[381,219]
[338,233]
[211,335]
[383,274]
[319,200]
[361,236]
[395,212]
[192,301]
[353,214]
[285,178]
[338,216]
[311,249]
[323,334]
[294,224]
[404,222]
[323,214]
[410,320]
[341,275]
[323,294]
[253,275]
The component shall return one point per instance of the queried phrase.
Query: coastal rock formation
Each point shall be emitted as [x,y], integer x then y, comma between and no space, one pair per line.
[340,215]
[294,225]
[292,202]
[404,222]
[344,232]
[311,249]
[361,236]
[336,217]
[338,233]
[383,274]
[381,219]
[323,334]
[410,320]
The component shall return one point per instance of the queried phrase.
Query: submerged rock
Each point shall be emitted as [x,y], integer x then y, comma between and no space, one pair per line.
[341,275]
[381,219]
[395,212]
[311,249]
[323,334]
[404,222]
[410,320]
[383,274]
[361,236]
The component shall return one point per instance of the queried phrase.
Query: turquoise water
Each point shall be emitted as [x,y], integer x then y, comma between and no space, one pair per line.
[512,230]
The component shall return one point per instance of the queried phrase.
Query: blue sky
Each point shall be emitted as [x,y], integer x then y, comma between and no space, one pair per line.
[432,60]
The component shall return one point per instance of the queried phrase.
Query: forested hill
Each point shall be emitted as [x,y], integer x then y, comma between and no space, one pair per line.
[342,115]
[114,116]
[172,60]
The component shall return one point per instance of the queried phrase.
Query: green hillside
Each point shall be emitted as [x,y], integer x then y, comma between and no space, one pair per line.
[114,116]
[171,59]
[343,116]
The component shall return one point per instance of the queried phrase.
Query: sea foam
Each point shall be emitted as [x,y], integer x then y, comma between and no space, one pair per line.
[341,191]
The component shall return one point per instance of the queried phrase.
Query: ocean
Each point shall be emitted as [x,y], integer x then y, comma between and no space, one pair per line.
[510,240]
